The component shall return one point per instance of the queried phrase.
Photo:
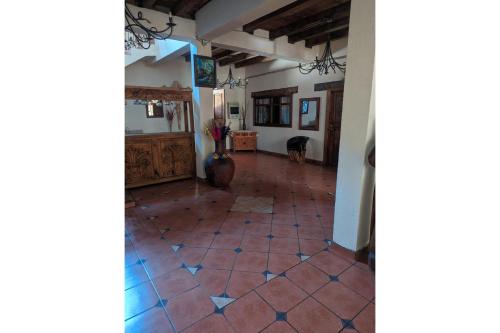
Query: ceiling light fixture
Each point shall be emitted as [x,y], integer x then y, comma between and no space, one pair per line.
[143,35]
[232,82]
[323,64]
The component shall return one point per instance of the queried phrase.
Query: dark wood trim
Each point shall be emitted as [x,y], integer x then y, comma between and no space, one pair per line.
[319,30]
[222,54]
[188,8]
[309,22]
[360,255]
[332,85]
[316,125]
[186,126]
[249,61]
[290,111]
[294,6]
[310,42]
[308,160]
[328,113]
[163,93]
[275,92]
[233,58]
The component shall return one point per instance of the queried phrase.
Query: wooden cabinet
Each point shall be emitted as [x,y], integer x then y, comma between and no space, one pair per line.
[244,140]
[157,158]
[160,157]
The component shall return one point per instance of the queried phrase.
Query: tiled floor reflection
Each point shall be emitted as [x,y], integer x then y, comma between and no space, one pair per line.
[195,264]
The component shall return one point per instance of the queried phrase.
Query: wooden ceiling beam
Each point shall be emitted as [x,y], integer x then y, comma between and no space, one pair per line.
[189,8]
[294,7]
[187,56]
[319,30]
[330,36]
[249,61]
[335,13]
[220,55]
[232,59]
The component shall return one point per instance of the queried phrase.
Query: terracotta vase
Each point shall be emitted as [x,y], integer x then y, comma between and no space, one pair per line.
[219,171]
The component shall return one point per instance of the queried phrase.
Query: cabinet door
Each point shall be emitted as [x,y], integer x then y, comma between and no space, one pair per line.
[138,162]
[175,157]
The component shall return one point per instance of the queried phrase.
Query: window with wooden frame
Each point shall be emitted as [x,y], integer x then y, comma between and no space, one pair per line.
[273,108]
[154,109]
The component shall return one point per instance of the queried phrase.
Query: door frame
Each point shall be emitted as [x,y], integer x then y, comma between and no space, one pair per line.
[328,114]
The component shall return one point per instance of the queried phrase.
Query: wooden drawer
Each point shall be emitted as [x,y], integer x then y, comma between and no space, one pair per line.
[244,142]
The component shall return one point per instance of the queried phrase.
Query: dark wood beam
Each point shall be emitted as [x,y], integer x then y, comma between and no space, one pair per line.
[217,50]
[329,85]
[232,59]
[188,8]
[319,30]
[334,13]
[296,6]
[220,55]
[276,92]
[249,61]
[330,36]
[187,56]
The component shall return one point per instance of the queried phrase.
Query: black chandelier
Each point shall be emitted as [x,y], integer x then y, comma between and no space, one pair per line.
[324,64]
[231,81]
[142,35]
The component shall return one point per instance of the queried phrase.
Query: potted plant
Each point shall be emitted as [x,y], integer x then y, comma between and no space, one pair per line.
[219,166]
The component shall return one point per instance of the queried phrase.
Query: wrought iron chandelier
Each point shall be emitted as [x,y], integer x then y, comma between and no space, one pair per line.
[142,35]
[323,64]
[231,81]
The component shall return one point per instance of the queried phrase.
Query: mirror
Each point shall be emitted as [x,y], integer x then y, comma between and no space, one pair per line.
[154,116]
[309,114]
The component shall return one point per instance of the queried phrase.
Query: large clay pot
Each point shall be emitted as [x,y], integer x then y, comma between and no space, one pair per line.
[219,171]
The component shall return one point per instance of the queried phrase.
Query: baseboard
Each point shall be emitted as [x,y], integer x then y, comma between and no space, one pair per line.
[360,255]
[308,160]
[202,180]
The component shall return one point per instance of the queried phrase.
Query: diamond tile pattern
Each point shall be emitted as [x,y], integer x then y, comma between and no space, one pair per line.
[261,242]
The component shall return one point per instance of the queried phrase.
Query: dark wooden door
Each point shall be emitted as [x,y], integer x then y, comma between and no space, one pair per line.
[332,128]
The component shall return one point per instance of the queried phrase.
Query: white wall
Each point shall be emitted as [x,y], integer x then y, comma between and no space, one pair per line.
[235,95]
[142,73]
[274,138]
[354,176]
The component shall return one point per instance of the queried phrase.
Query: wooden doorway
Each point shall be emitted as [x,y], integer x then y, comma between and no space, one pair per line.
[335,98]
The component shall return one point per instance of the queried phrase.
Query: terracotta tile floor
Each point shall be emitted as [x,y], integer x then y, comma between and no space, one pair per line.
[186,250]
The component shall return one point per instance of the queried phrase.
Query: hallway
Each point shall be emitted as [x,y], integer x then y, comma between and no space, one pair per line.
[253,258]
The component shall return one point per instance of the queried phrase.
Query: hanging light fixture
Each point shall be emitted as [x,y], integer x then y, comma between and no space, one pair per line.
[323,64]
[231,81]
[139,35]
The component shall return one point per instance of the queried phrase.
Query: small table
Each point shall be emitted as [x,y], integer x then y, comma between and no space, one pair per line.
[244,140]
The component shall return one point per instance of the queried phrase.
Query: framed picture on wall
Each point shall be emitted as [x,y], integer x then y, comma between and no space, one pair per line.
[309,114]
[204,71]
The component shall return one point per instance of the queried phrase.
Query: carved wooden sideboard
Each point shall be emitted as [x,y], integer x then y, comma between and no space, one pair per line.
[160,157]
[244,140]
[155,158]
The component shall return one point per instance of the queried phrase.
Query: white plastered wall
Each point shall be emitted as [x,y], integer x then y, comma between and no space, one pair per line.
[274,139]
